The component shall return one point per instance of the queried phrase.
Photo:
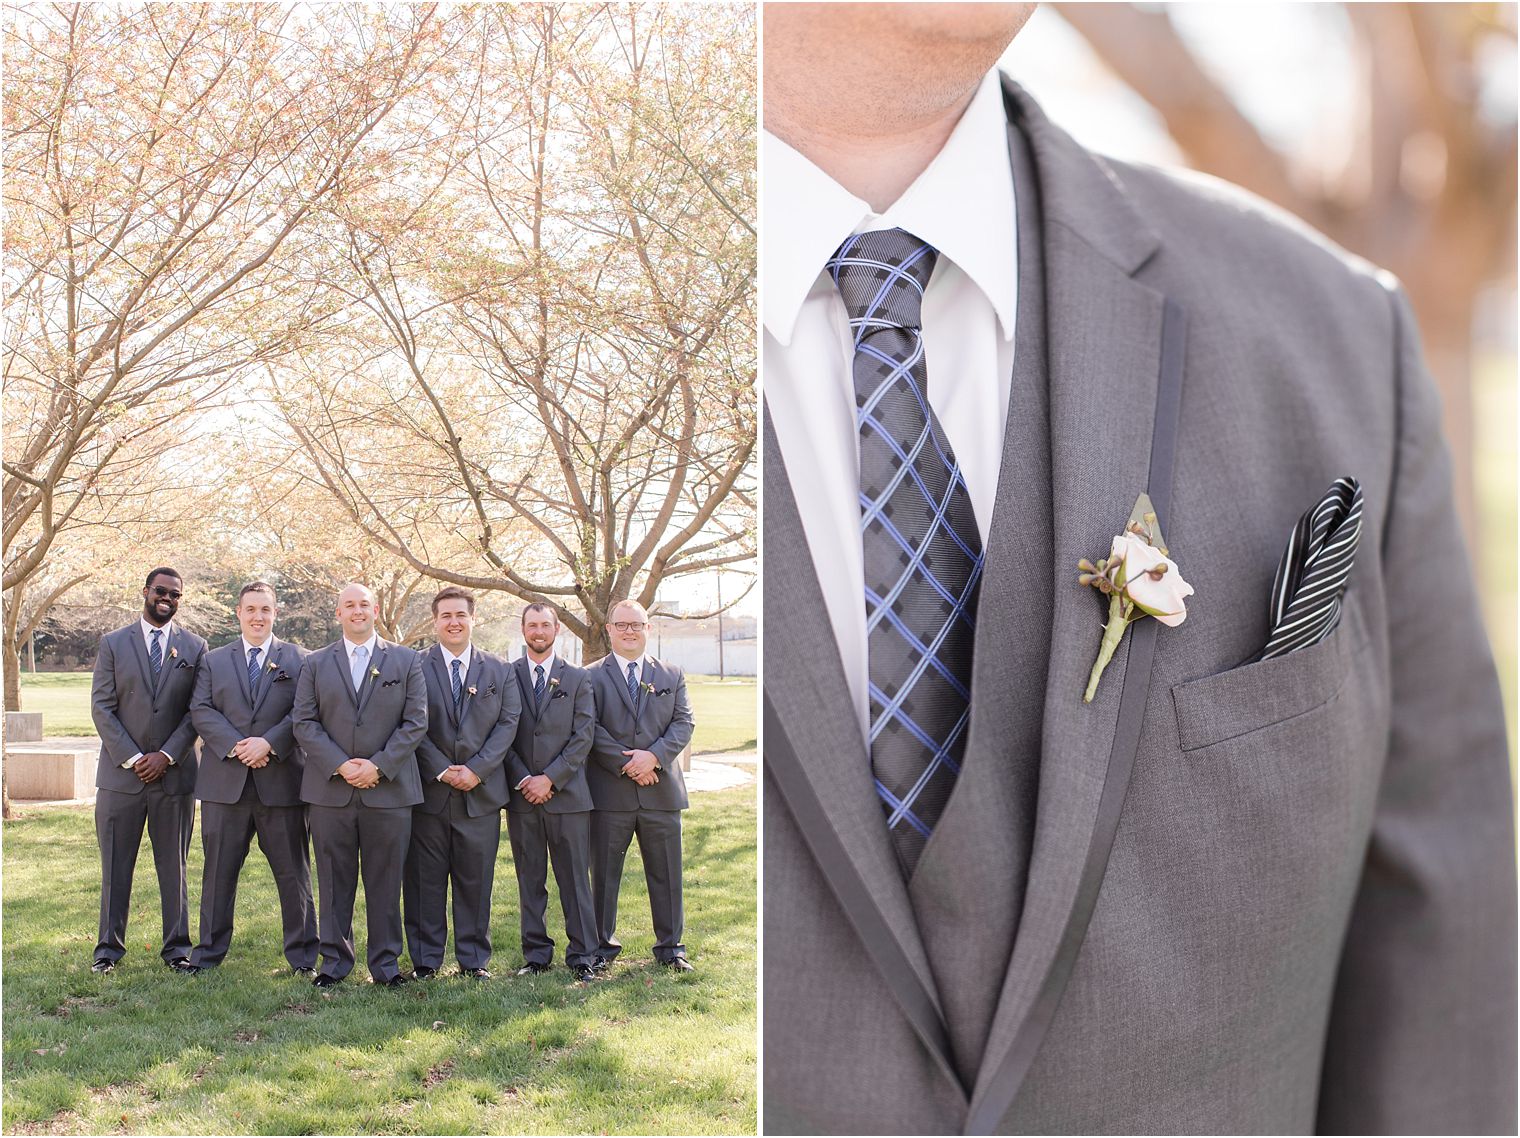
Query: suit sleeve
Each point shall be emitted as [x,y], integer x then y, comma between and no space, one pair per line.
[583,726]
[493,752]
[678,734]
[431,761]
[220,735]
[1422,1027]
[114,737]
[306,720]
[606,749]
[401,748]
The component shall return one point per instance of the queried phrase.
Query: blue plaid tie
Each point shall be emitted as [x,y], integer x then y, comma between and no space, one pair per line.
[454,680]
[155,653]
[923,554]
[538,686]
[633,684]
[253,670]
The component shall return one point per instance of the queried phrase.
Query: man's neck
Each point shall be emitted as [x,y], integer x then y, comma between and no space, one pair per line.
[627,659]
[356,642]
[151,623]
[540,657]
[253,643]
[455,652]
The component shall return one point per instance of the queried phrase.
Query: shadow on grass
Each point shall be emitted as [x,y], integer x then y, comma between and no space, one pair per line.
[248,1048]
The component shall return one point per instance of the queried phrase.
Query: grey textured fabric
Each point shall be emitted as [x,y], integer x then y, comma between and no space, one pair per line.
[135,711]
[477,736]
[553,739]
[1303,916]
[539,838]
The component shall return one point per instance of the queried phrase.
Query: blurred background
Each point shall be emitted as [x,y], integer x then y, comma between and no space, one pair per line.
[1391,128]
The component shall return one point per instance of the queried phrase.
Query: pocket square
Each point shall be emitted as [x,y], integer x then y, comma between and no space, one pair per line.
[389,683]
[1311,577]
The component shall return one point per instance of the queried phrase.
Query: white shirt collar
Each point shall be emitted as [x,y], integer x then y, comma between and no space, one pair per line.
[349,646]
[547,665]
[962,204]
[463,658]
[622,664]
[148,630]
[263,649]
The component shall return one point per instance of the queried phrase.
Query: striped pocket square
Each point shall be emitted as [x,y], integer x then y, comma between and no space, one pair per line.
[1311,577]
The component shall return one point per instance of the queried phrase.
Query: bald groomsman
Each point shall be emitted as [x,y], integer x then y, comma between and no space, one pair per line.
[473,706]
[360,711]
[643,724]
[250,780]
[549,815]
[140,702]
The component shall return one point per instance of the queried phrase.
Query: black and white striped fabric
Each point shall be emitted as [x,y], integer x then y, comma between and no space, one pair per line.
[1311,577]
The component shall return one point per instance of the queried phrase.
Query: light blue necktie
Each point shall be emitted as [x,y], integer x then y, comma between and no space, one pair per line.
[359,655]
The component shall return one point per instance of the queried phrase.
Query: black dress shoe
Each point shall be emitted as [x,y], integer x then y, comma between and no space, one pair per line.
[600,963]
[678,964]
[183,966]
[583,974]
[396,981]
[323,980]
[423,972]
[308,970]
[476,973]
[103,966]
[532,969]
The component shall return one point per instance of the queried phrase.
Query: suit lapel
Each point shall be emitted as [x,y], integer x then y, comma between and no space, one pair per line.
[269,668]
[806,691]
[372,669]
[445,685]
[620,680]
[471,680]
[140,650]
[171,658]
[345,672]
[522,668]
[1112,343]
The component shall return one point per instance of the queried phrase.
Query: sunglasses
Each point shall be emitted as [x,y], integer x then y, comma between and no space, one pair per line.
[172,594]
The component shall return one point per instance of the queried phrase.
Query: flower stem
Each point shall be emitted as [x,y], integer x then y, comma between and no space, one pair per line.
[1118,621]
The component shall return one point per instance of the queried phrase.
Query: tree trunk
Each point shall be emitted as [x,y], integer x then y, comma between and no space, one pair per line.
[10,660]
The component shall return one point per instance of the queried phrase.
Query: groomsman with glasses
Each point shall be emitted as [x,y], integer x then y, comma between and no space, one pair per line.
[140,702]
[472,715]
[250,780]
[643,724]
[549,814]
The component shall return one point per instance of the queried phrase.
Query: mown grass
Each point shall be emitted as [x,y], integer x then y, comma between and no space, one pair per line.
[250,1049]
[724,710]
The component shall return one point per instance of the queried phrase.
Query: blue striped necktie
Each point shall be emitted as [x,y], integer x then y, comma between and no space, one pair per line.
[633,684]
[155,653]
[253,670]
[922,551]
[538,686]
[455,682]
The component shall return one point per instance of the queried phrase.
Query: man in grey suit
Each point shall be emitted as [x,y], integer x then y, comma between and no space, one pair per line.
[140,702]
[549,813]
[360,711]
[1232,894]
[643,723]
[250,780]
[473,707]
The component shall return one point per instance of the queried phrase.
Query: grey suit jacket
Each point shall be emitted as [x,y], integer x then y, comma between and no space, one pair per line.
[134,713]
[661,724]
[477,738]
[554,739]
[224,711]
[1270,897]
[383,723]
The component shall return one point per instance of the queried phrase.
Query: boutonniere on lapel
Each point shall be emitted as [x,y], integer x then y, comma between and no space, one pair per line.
[1139,580]
[470,689]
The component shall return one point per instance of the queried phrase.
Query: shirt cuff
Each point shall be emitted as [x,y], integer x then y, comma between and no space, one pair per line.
[130,763]
[522,781]
[171,758]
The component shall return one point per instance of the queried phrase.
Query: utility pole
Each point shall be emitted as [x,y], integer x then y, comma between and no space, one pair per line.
[720,625]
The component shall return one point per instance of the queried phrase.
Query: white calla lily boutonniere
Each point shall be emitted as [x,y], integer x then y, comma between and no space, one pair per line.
[1139,580]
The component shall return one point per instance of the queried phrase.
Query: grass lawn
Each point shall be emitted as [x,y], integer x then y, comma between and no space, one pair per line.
[725,710]
[250,1049]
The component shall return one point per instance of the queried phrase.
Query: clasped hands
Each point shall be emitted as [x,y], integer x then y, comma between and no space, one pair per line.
[642,767]
[151,767]
[460,777]
[361,774]
[253,752]
[537,789]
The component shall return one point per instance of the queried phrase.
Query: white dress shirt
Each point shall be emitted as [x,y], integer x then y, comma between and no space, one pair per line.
[263,650]
[962,205]
[163,650]
[548,667]
[369,645]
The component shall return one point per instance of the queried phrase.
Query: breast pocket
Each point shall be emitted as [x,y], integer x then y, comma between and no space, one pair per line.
[1252,697]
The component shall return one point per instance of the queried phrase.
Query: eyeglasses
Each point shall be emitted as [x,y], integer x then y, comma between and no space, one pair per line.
[172,594]
[629,625]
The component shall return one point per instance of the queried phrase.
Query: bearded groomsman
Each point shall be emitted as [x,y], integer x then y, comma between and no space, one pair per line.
[250,780]
[360,711]
[473,707]
[140,702]
[643,724]
[549,815]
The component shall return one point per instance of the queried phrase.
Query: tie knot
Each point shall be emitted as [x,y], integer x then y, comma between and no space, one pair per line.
[454,664]
[254,655]
[156,633]
[881,278]
[539,670]
[631,667]
[360,652]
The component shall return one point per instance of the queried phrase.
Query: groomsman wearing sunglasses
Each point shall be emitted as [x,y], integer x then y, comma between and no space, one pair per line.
[250,780]
[643,724]
[549,814]
[140,702]
[473,707]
